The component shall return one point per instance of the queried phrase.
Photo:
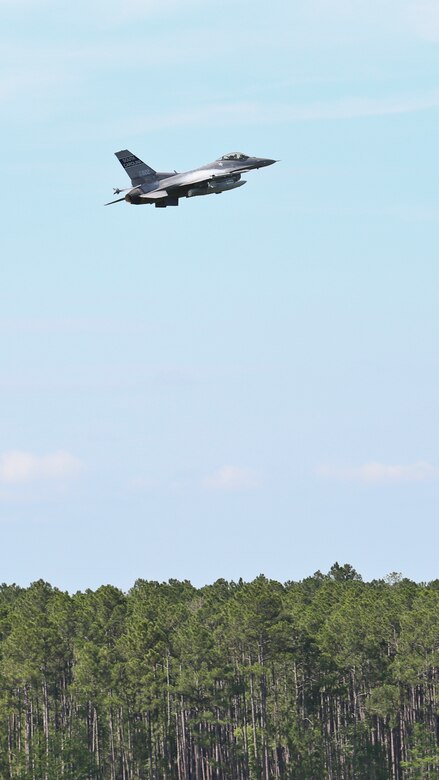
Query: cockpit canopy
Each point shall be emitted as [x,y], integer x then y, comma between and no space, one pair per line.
[234,156]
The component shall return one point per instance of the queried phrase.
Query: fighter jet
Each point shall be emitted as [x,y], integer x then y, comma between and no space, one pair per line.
[165,189]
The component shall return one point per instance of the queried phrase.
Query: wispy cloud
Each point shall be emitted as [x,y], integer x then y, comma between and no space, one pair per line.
[18,4]
[231,478]
[21,82]
[18,467]
[138,9]
[257,113]
[114,9]
[357,107]
[424,18]
[99,325]
[380,473]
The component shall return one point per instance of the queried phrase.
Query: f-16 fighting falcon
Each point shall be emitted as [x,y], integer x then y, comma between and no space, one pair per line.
[165,189]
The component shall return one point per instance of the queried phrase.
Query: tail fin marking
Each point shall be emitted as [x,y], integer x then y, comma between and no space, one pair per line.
[137,170]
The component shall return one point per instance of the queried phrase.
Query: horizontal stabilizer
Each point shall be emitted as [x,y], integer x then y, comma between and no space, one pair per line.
[155,195]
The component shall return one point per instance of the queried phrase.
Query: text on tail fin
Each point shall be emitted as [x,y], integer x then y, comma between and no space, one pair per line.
[136,169]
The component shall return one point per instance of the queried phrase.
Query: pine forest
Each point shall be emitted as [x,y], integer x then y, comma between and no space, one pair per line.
[329,678]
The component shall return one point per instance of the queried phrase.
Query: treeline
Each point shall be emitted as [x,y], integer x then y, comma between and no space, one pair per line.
[328,678]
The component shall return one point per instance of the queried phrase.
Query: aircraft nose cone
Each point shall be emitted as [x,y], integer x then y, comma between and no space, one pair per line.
[266,161]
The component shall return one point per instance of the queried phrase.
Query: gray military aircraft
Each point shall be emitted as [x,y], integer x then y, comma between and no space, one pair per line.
[165,189]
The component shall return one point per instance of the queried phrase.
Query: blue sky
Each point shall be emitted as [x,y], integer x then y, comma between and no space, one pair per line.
[248,383]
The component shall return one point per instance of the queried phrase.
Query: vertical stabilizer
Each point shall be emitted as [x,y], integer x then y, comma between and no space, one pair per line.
[137,170]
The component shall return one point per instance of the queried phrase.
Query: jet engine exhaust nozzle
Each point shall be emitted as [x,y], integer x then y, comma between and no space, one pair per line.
[133,196]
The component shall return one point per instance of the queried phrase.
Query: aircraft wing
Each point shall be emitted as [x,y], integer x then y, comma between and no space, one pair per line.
[148,196]
[154,195]
[197,177]
[178,185]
